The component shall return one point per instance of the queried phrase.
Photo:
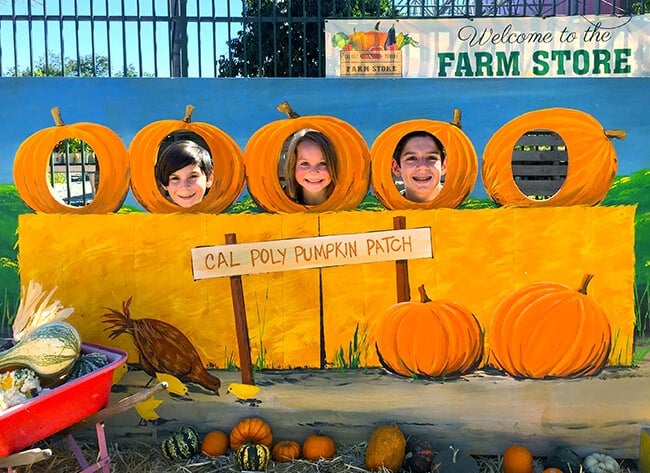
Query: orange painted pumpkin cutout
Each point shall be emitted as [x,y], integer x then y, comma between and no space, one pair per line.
[592,161]
[462,164]
[547,330]
[429,339]
[262,155]
[34,155]
[226,155]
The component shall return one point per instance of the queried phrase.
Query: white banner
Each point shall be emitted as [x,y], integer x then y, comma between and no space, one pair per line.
[569,46]
[314,252]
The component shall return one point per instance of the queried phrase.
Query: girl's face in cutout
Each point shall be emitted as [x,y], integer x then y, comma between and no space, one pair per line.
[188,185]
[420,168]
[312,173]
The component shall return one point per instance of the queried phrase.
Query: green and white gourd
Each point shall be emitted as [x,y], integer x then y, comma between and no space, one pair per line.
[182,445]
[49,350]
[253,457]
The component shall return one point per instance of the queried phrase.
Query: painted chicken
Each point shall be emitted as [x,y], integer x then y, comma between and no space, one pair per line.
[162,347]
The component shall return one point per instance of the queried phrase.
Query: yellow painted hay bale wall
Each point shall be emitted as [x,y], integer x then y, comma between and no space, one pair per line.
[99,261]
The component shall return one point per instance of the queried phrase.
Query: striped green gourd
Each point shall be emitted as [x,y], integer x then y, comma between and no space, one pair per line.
[50,350]
[253,457]
[182,445]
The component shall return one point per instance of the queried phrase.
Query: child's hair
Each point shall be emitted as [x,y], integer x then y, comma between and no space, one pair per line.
[293,189]
[178,154]
[418,134]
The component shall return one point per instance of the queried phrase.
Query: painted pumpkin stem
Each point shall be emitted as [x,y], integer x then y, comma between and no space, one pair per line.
[56,114]
[585,283]
[285,108]
[456,118]
[618,134]
[423,294]
[188,113]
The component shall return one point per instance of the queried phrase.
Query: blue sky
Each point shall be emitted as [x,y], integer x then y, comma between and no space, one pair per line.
[146,44]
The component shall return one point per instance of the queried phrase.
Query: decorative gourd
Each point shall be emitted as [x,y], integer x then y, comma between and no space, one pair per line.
[552,470]
[286,451]
[592,158]
[547,330]
[563,459]
[517,459]
[429,339]
[262,155]
[318,446]
[87,363]
[31,164]
[251,430]
[214,444]
[600,463]
[462,164]
[182,445]
[253,457]
[386,448]
[50,350]
[419,455]
[454,461]
[226,155]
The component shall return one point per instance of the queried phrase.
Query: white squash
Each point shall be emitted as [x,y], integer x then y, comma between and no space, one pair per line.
[600,463]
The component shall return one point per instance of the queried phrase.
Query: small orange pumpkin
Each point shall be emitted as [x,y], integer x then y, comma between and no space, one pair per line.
[251,430]
[430,339]
[547,329]
[462,164]
[227,161]
[215,443]
[517,459]
[592,158]
[552,470]
[262,155]
[318,446]
[33,157]
[286,451]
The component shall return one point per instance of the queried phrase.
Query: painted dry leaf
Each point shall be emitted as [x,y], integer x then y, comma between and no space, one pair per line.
[36,309]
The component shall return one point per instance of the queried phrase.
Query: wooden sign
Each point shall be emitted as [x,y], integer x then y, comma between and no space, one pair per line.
[314,252]
[371,63]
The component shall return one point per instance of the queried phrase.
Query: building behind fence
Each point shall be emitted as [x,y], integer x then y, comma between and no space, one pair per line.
[219,38]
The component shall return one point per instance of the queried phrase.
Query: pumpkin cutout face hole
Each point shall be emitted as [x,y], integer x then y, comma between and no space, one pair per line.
[73,173]
[539,164]
[184,168]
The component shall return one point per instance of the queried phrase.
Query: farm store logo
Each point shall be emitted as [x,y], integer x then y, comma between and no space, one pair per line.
[372,53]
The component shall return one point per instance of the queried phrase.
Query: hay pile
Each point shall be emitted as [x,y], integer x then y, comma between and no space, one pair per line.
[144,457]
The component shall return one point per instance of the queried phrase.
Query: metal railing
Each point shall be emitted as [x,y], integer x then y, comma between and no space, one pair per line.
[218,38]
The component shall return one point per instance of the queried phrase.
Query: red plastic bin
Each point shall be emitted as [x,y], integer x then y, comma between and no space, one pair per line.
[52,411]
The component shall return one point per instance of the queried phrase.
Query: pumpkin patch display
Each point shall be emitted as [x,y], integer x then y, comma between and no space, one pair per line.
[386,448]
[253,457]
[215,443]
[318,446]
[429,339]
[251,430]
[517,459]
[462,164]
[264,148]
[32,159]
[182,445]
[547,329]
[591,155]
[227,163]
[286,451]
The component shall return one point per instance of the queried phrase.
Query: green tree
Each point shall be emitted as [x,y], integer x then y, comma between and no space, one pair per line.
[86,66]
[284,38]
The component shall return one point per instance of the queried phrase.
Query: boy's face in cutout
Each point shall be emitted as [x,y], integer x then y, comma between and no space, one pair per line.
[421,168]
[188,185]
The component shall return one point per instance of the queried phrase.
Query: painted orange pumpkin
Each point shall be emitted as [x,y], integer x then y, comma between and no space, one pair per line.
[34,154]
[517,459]
[262,156]
[462,164]
[286,451]
[226,155]
[251,430]
[592,158]
[547,330]
[318,446]
[429,339]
